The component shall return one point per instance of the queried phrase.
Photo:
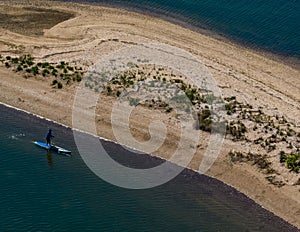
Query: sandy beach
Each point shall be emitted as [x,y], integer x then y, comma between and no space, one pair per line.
[81,35]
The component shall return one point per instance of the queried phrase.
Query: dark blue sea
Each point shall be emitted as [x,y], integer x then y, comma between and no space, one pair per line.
[267,25]
[45,191]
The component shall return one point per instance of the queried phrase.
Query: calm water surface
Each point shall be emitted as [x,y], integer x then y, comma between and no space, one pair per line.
[44,191]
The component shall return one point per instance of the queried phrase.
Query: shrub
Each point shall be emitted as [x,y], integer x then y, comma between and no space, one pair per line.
[29,62]
[70,68]
[19,68]
[109,90]
[292,161]
[54,82]
[45,71]
[205,120]
[169,109]
[59,85]
[78,78]
[44,65]
[35,70]
[178,81]
[54,72]
[15,60]
[282,157]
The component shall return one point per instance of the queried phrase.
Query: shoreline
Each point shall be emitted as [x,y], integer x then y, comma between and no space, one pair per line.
[230,72]
[193,176]
[292,61]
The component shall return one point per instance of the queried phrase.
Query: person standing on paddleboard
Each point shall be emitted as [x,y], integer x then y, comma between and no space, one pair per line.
[48,137]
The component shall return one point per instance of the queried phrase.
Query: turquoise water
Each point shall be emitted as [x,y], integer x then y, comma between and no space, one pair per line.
[43,191]
[272,25]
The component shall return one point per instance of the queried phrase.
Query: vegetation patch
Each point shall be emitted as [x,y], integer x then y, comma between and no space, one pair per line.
[292,161]
[272,180]
[261,161]
[62,72]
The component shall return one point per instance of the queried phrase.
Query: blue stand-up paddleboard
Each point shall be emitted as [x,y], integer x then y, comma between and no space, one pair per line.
[52,148]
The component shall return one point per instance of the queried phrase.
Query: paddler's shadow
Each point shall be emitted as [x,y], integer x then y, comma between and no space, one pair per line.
[50,159]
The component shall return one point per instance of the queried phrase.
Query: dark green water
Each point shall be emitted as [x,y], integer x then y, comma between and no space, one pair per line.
[271,25]
[41,191]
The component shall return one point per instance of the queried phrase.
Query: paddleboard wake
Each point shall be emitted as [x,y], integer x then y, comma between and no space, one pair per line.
[52,148]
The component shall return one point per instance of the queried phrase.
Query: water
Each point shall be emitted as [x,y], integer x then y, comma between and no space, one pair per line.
[271,25]
[46,191]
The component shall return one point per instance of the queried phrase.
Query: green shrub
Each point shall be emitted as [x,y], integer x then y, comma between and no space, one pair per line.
[29,62]
[54,72]
[44,65]
[19,68]
[78,78]
[292,161]
[54,82]
[35,70]
[59,85]
[45,72]
[70,68]
[15,60]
